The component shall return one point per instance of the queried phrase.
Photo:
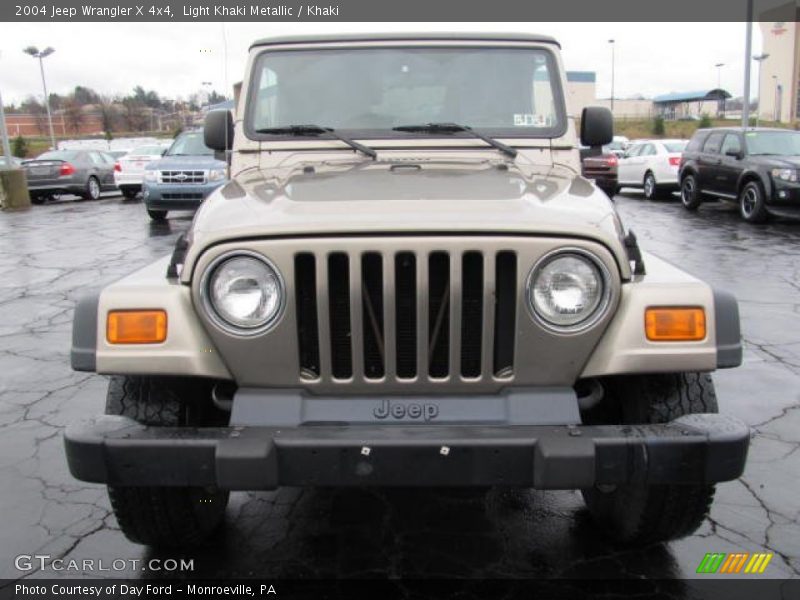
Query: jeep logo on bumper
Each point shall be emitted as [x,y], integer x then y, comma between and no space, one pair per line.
[401,410]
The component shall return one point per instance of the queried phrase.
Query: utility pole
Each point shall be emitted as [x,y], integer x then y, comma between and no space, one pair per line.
[760,60]
[748,49]
[4,135]
[612,76]
[34,52]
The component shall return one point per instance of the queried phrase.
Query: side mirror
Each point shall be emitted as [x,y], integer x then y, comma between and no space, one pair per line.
[218,130]
[597,126]
[737,154]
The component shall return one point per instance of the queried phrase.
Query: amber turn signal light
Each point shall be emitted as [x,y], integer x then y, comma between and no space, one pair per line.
[136,326]
[671,324]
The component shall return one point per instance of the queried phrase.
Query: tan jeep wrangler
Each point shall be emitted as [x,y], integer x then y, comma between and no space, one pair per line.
[407,283]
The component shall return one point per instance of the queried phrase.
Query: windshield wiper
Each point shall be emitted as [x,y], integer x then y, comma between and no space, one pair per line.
[300,130]
[456,128]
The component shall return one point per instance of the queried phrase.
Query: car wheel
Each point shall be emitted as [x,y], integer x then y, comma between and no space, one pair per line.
[92,189]
[157,215]
[690,195]
[752,203]
[650,187]
[165,516]
[639,513]
[38,199]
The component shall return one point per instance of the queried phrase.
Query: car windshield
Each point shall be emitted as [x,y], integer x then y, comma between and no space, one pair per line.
[57,155]
[190,144]
[154,150]
[675,146]
[784,143]
[369,91]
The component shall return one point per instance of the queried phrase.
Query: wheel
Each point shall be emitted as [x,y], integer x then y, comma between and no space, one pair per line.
[129,193]
[690,194]
[157,215]
[752,205]
[165,516]
[650,187]
[638,513]
[38,199]
[92,189]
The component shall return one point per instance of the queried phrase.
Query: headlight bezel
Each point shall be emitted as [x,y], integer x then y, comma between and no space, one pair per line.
[606,296]
[215,175]
[150,176]
[213,314]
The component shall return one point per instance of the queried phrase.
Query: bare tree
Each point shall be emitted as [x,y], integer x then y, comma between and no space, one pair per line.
[73,114]
[134,115]
[108,115]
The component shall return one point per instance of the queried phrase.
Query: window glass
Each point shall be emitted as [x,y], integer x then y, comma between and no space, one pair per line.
[713,143]
[779,143]
[731,144]
[190,144]
[674,146]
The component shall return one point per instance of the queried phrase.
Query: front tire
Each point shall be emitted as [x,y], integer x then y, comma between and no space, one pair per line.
[165,516]
[157,215]
[637,513]
[752,203]
[690,194]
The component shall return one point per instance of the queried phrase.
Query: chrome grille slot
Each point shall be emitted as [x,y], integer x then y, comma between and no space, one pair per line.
[181,177]
[405,316]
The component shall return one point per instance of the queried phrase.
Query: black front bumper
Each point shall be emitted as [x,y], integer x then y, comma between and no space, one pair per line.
[690,450]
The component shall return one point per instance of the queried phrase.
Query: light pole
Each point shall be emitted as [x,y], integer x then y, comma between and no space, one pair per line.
[776,116]
[720,103]
[759,58]
[207,88]
[612,75]
[4,136]
[35,53]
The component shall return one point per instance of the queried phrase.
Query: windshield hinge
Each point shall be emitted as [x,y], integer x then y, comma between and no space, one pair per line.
[178,256]
[634,253]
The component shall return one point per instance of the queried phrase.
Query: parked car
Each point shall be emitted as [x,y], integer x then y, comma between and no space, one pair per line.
[183,177]
[757,168]
[617,146]
[340,314]
[85,173]
[129,169]
[117,154]
[653,166]
[602,168]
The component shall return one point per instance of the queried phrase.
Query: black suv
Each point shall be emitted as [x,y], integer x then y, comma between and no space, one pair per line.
[758,168]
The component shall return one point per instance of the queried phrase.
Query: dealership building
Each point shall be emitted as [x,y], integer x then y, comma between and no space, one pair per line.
[779,75]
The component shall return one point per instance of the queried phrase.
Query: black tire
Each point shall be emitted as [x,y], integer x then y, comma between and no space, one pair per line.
[92,191]
[157,215]
[38,199]
[129,193]
[690,194]
[650,186]
[165,516]
[752,202]
[640,514]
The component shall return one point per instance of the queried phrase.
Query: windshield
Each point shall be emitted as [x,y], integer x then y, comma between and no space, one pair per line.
[785,143]
[675,146]
[190,144]
[371,90]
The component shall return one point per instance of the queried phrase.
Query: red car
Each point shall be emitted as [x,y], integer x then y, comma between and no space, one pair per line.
[602,168]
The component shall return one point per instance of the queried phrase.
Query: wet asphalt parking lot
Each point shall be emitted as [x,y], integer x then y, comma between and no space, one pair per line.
[52,254]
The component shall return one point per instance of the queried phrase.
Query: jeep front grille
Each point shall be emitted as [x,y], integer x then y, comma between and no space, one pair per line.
[180,177]
[406,315]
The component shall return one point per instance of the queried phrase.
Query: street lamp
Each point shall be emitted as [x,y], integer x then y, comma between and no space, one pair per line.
[612,75]
[719,74]
[759,58]
[35,53]
[776,116]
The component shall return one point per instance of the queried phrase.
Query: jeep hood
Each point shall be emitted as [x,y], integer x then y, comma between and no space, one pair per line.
[391,198]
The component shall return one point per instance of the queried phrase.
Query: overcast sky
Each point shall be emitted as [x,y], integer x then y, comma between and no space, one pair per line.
[174,58]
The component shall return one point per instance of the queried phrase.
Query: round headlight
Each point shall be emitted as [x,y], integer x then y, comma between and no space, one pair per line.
[567,289]
[244,293]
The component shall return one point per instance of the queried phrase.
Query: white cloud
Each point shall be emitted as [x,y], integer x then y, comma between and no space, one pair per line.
[174,58]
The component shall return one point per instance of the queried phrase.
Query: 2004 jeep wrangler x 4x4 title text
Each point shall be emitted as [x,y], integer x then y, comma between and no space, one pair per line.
[407,283]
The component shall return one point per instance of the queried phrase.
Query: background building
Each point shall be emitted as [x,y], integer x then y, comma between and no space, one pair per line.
[777,83]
